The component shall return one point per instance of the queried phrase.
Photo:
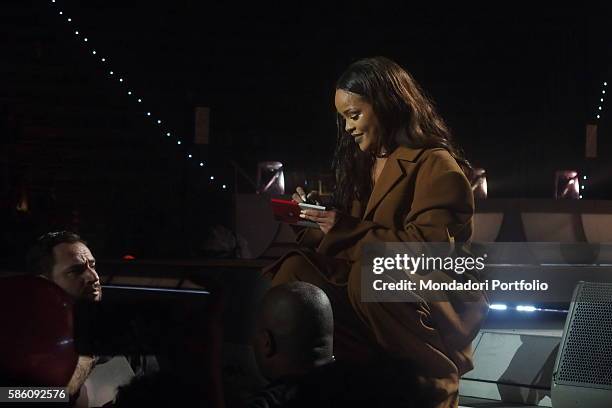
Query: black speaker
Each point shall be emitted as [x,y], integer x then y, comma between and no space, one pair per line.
[582,376]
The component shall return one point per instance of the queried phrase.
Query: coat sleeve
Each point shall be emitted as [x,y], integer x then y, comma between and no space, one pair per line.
[442,206]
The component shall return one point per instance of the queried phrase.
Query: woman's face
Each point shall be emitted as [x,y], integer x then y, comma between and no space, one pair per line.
[361,121]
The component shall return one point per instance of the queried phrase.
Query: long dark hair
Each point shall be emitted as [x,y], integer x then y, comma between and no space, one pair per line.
[407,118]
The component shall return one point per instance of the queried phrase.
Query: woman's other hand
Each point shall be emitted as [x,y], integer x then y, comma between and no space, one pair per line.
[300,196]
[325,219]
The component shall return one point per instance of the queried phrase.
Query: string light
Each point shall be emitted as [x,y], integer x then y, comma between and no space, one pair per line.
[601,100]
[67,19]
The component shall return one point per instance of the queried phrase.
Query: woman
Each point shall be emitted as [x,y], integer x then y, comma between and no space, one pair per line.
[398,179]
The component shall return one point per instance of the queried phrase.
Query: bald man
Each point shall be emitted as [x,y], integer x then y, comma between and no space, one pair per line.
[293,347]
[294,331]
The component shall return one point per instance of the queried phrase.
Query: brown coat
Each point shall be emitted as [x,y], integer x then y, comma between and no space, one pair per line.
[421,195]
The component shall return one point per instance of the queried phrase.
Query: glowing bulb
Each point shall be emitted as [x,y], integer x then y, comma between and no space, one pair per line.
[605,84]
[212,177]
[603,92]
[69,19]
[76,33]
[580,196]
[600,108]
[582,187]
[224,186]
[103,59]
[190,156]
[498,306]
[168,134]
[94,52]
[526,308]
[601,99]
[139,100]
[148,113]
[201,164]
[129,92]
[158,122]
[61,12]
[179,142]
[111,72]
[120,79]
[85,39]
[584,177]
[597,116]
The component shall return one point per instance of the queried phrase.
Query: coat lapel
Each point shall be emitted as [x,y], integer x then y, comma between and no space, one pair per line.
[395,169]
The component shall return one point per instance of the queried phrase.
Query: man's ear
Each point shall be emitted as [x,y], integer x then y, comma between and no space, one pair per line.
[269,345]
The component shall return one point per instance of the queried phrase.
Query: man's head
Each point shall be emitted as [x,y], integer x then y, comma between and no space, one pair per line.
[294,332]
[64,258]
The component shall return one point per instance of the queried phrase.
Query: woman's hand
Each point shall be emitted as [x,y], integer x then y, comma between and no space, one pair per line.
[325,219]
[300,196]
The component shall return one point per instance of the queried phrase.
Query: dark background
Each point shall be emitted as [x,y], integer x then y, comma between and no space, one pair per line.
[516,83]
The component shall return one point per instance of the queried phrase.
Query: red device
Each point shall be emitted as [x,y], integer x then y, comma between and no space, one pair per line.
[288,211]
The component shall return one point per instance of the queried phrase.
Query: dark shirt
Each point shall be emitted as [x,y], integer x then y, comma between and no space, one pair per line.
[379,384]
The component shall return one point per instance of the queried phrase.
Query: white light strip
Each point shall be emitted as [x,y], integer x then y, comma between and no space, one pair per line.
[122,80]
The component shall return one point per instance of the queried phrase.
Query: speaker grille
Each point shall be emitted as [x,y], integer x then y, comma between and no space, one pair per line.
[587,351]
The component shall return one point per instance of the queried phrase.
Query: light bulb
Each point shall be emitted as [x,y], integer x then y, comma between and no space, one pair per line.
[212,177]
[148,113]
[158,122]
[201,164]
[103,59]
[179,142]
[61,12]
[224,186]
[120,79]
[129,92]
[69,19]
[190,156]
[85,39]
[94,52]
[168,134]
[76,33]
